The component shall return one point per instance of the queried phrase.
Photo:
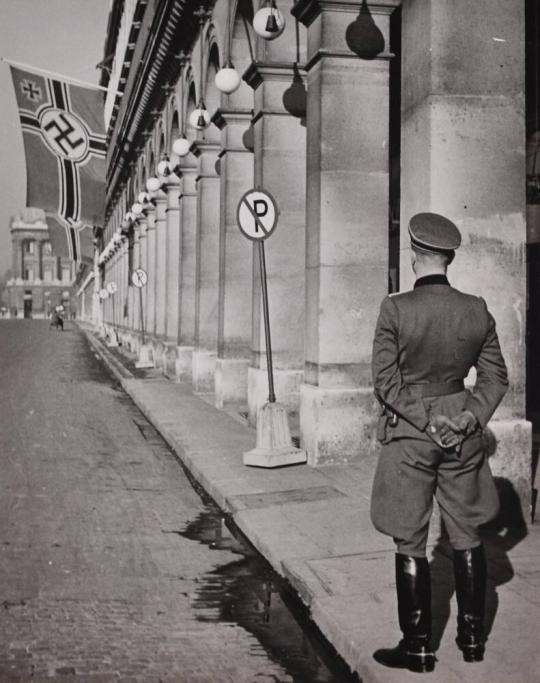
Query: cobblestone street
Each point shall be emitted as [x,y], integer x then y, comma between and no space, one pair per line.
[100,577]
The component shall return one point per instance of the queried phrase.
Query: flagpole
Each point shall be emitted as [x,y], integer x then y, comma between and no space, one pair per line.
[54,74]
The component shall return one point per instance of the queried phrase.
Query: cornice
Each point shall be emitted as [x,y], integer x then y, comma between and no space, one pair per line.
[222,116]
[167,28]
[258,72]
[306,11]
[199,147]
[343,54]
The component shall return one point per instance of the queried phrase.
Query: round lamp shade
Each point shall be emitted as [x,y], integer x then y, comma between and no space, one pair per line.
[137,209]
[153,184]
[163,168]
[143,198]
[269,23]
[180,146]
[199,119]
[227,80]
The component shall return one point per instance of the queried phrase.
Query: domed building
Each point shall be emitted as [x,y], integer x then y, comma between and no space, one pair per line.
[40,280]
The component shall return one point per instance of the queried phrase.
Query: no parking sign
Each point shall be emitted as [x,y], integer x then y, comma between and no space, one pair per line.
[257,214]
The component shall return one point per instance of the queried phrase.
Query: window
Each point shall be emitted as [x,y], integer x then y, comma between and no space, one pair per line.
[47,274]
[29,247]
[29,274]
[47,249]
[66,273]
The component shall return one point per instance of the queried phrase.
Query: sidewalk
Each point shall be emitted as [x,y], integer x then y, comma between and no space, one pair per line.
[313,527]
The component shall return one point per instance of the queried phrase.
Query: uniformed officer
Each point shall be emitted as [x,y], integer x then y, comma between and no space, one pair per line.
[426,341]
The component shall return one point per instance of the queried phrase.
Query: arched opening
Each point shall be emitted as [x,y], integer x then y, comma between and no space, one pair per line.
[191,132]
[241,51]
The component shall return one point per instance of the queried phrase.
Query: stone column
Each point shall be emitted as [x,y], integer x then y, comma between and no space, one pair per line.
[173,256]
[151,271]
[463,155]
[235,261]
[96,305]
[143,263]
[135,301]
[188,237]
[280,160]
[161,263]
[40,258]
[16,257]
[207,263]
[347,224]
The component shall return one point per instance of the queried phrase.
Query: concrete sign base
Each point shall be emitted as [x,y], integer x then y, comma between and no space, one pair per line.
[274,446]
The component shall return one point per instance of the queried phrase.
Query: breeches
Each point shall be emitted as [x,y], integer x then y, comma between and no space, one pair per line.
[411,472]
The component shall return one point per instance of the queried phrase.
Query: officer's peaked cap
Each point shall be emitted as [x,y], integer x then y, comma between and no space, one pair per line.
[433,233]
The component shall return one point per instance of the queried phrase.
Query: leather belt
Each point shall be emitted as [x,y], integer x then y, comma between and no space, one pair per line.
[438,388]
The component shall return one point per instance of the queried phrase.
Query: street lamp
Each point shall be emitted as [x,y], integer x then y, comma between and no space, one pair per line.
[269,22]
[153,184]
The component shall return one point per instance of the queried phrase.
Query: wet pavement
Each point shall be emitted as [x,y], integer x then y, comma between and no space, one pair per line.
[112,566]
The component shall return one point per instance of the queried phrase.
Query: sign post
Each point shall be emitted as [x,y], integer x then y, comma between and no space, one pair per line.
[139,278]
[257,217]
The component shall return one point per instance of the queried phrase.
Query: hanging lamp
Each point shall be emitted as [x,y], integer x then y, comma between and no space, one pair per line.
[228,79]
[269,22]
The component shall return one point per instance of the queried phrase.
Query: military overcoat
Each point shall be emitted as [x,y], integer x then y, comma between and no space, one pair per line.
[426,341]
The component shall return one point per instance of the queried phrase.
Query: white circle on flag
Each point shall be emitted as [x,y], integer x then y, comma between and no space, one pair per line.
[139,277]
[111,287]
[64,134]
[257,214]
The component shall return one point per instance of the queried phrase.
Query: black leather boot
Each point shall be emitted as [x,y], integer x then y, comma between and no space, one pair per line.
[470,577]
[413,585]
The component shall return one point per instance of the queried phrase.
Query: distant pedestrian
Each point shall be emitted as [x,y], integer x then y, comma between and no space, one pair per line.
[57,320]
[426,341]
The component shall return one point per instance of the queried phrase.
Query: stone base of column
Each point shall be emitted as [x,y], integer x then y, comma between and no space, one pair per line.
[158,348]
[184,363]
[169,360]
[338,425]
[286,387]
[509,444]
[231,381]
[203,369]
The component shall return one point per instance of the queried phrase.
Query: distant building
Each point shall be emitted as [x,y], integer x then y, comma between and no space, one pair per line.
[41,281]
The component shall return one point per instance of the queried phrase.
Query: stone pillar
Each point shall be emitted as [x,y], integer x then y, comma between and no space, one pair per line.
[235,261]
[161,263]
[280,159]
[143,263]
[347,226]
[16,257]
[135,300]
[207,273]
[172,274]
[188,237]
[463,155]
[40,244]
[96,304]
[151,271]
[174,249]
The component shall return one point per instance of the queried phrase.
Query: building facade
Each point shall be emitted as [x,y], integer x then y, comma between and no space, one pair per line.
[357,116]
[40,280]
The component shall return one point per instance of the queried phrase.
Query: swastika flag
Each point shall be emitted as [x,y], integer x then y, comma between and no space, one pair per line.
[64,145]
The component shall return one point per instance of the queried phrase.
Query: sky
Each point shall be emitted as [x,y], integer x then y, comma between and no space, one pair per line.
[65,36]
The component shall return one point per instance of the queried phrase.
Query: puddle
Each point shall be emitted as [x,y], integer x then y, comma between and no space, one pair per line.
[248,593]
